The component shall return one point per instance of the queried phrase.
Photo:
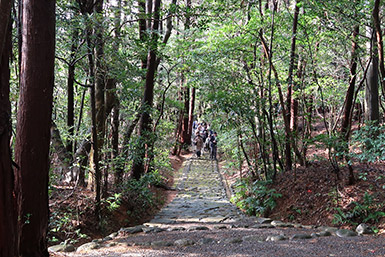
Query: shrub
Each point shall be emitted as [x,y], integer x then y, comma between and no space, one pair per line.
[254,198]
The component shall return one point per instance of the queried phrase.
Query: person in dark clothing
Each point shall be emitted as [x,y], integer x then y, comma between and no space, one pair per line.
[198,144]
[213,146]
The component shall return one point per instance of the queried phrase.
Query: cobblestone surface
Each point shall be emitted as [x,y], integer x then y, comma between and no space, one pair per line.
[201,221]
[202,197]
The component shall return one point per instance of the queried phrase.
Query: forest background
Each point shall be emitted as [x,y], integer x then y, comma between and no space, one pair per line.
[106,90]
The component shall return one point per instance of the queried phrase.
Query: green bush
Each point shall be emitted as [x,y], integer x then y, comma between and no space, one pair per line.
[254,198]
[370,140]
[138,191]
[366,212]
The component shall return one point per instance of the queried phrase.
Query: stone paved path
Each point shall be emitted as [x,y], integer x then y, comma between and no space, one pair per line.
[202,197]
[201,221]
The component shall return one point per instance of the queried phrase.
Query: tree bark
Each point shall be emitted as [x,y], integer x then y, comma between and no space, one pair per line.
[347,117]
[185,138]
[191,117]
[142,28]
[5,11]
[34,122]
[291,105]
[187,119]
[94,178]
[99,98]
[70,94]
[380,43]
[371,92]
[145,132]
[118,165]
[9,192]
[64,158]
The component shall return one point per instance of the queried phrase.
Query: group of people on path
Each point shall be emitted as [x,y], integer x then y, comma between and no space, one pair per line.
[204,139]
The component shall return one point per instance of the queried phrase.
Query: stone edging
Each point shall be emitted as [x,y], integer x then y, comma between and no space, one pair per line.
[260,223]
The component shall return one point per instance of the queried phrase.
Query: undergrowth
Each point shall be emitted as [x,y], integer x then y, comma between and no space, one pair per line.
[254,198]
[369,211]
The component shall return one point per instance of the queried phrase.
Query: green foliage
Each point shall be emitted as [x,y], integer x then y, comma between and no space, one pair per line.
[138,191]
[368,211]
[370,143]
[363,176]
[255,198]
[113,202]
[295,211]
[63,224]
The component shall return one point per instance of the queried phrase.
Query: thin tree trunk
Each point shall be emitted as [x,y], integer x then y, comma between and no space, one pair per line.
[346,120]
[81,157]
[184,138]
[291,105]
[142,28]
[187,101]
[33,138]
[82,152]
[177,134]
[63,155]
[191,117]
[115,155]
[9,234]
[245,154]
[145,132]
[94,174]
[118,165]
[99,102]
[70,94]
[269,55]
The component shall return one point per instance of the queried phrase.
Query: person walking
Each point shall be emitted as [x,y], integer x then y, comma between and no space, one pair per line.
[198,145]
[213,146]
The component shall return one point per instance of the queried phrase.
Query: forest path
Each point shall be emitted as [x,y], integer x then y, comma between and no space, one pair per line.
[201,221]
[201,197]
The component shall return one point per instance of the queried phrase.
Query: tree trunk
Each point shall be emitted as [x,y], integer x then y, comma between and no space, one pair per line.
[70,107]
[185,138]
[99,104]
[191,117]
[289,99]
[70,94]
[380,43]
[94,176]
[64,158]
[187,131]
[118,165]
[5,11]
[348,110]
[142,29]
[9,192]
[145,131]
[371,92]
[34,122]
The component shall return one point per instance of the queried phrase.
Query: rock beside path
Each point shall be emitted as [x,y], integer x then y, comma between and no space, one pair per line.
[62,248]
[345,233]
[364,229]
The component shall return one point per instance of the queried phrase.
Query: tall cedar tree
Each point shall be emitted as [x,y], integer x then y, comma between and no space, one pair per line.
[33,124]
[8,192]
